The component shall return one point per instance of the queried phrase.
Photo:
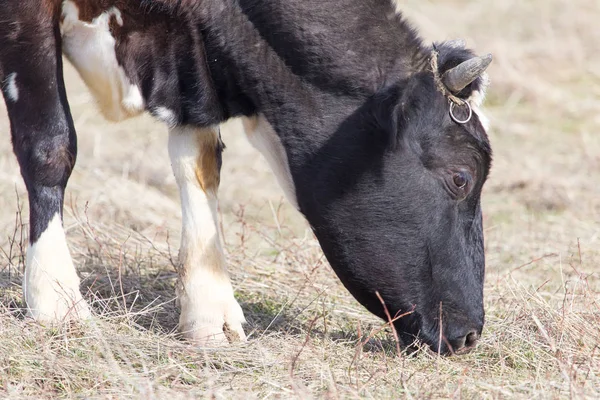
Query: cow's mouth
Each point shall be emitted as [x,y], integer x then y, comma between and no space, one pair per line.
[441,345]
[434,343]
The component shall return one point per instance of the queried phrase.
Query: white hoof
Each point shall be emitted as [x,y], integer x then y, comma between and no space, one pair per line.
[56,304]
[211,323]
[51,284]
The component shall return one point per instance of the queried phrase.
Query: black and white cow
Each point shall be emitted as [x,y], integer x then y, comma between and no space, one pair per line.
[375,137]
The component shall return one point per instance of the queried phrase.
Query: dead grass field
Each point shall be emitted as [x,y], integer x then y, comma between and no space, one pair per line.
[308,337]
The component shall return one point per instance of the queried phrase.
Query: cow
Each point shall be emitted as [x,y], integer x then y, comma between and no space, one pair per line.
[375,136]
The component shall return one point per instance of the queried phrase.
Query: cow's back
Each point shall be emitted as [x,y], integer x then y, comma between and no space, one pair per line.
[341,46]
[141,55]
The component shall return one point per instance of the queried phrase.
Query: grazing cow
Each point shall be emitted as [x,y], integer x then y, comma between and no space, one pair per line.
[375,136]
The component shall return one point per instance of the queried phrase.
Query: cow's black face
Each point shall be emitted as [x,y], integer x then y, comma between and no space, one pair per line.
[394,199]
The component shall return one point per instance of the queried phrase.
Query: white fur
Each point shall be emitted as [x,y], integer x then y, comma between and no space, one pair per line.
[204,291]
[166,115]
[397,6]
[476,101]
[51,284]
[90,47]
[10,87]
[263,137]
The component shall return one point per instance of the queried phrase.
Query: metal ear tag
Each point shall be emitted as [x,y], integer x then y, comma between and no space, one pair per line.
[455,119]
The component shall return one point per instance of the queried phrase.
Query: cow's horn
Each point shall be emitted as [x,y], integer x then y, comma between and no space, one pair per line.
[457,78]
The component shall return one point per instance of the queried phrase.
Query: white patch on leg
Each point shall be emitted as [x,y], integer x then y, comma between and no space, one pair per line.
[204,290]
[51,284]
[10,87]
[90,47]
[263,137]
[165,115]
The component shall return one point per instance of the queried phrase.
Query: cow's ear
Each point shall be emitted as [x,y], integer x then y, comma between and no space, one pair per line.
[386,111]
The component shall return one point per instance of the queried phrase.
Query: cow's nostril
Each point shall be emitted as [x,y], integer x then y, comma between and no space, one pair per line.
[458,343]
[465,342]
[471,339]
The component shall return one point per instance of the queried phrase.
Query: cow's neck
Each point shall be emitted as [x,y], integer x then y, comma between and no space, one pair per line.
[245,67]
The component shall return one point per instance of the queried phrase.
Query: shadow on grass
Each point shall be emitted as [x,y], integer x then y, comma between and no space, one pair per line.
[11,294]
[267,316]
[148,299]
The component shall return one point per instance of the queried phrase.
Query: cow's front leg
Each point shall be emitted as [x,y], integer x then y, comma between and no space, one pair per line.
[210,315]
[45,145]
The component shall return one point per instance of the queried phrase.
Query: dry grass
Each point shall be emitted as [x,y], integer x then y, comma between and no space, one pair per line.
[542,219]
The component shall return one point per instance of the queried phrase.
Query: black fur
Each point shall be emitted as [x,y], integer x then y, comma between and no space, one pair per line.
[371,148]
[42,129]
[348,88]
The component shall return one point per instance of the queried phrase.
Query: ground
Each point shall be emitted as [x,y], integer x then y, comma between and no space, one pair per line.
[307,336]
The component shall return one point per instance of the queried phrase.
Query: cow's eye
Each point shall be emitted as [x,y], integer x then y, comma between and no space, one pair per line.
[460,179]
[459,183]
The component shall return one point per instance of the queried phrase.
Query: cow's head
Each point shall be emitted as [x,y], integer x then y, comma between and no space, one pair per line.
[394,199]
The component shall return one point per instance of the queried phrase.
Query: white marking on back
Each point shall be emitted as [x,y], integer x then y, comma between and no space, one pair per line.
[204,290]
[10,87]
[90,47]
[51,284]
[263,137]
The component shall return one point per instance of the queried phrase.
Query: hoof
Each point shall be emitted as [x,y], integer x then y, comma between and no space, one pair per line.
[213,325]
